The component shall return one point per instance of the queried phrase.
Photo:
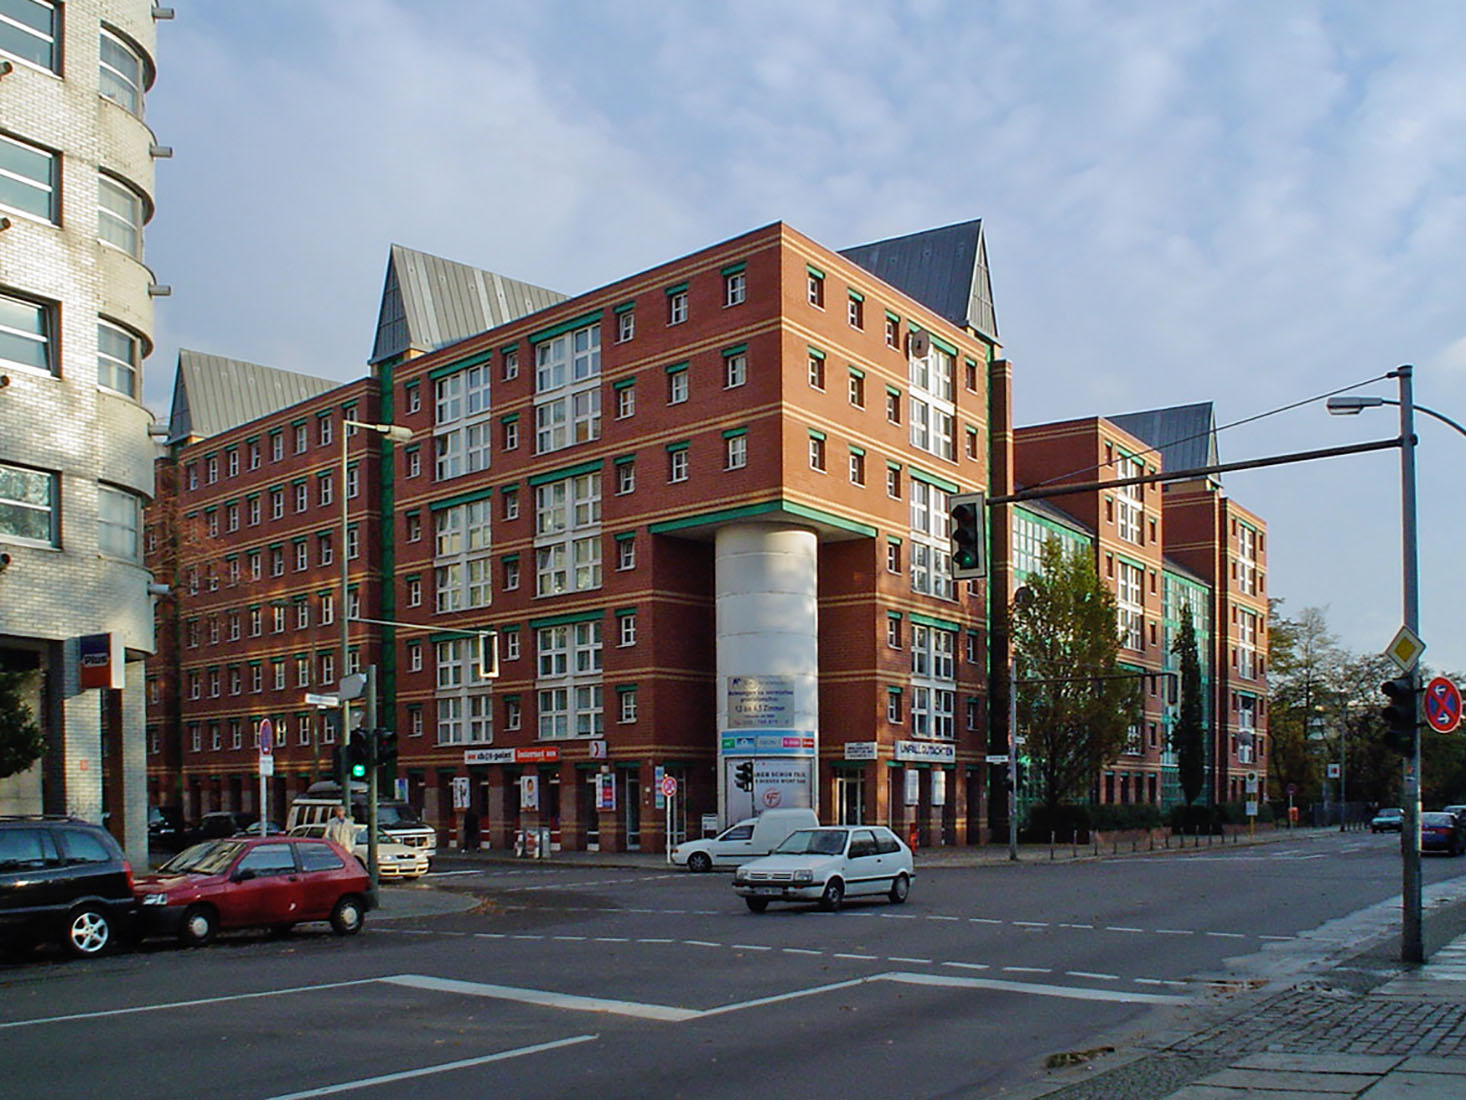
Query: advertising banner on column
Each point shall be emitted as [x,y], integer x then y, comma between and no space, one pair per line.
[754,785]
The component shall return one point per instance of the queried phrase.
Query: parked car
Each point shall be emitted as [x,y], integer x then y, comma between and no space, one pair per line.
[393,860]
[166,830]
[1388,821]
[1442,832]
[827,865]
[748,839]
[254,882]
[65,880]
[1459,810]
[398,819]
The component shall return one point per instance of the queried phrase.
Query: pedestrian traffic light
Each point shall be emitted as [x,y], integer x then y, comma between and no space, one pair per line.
[969,519]
[358,753]
[743,775]
[386,747]
[1400,716]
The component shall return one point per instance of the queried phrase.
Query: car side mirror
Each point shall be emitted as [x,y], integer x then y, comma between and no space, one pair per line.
[244,874]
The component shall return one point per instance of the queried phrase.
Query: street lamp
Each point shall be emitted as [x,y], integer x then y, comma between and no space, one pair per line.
[395,433]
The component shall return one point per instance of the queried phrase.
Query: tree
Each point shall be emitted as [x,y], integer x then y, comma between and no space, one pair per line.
[21,740]
[1190,733]
[1075,705]
[1308,691]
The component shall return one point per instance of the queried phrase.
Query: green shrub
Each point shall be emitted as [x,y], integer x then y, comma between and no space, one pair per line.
[1069,824]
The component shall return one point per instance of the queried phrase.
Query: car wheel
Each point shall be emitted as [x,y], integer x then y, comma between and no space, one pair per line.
[900,888]
[832,897]
[756,905]
[699,863]
[199,925]
[348,916]
[88,931]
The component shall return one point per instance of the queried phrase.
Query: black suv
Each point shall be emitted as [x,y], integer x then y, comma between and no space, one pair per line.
[65,880]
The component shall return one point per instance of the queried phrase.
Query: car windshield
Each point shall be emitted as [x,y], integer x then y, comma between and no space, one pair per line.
[203,859]
[397,814]
[1438,819]
[824,842]
[1391,813]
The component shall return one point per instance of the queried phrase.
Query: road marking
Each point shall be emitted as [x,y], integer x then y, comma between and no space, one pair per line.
[701,943]
[1227,935]
[904,959]
[859,958]
[543,998]
[1030,924]
[1121,928]
[446,1067]
[450,874]
[1028,969]
[777,997]
[1282,939]
[571,939]
[613,939]
[1035,989]
[1089,927]
[749,947]
[943,918]
[655,939]
[799,951]
[183,1004]
[1092,974]
[1174,932]
[983,920]
[968,966]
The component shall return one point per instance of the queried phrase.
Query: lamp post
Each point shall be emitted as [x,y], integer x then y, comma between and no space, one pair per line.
[396,433]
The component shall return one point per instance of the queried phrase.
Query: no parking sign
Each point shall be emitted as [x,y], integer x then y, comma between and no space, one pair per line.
[1442,705]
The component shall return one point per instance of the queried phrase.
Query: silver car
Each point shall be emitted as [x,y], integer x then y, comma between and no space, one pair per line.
[828,865]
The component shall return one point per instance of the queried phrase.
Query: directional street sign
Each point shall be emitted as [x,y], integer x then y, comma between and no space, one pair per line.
[1442,705]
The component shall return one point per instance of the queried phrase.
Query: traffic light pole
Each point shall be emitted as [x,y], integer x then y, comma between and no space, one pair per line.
[1412,942]
[371,725]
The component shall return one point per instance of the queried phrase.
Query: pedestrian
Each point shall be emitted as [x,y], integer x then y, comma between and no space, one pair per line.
[470,830]
[341,828]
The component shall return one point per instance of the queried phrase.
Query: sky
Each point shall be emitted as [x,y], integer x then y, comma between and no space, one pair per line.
[1248,203]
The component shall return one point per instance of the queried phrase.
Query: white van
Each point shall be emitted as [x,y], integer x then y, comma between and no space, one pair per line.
[398,819]
[749,839]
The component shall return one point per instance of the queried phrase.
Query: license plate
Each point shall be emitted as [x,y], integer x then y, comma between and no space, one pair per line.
[769,890]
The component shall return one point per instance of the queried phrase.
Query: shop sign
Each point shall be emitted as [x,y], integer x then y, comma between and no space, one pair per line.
[511,756]
[606,791]
[100,658]
[771,743]
[760,702]
[860,750]
[926,752]
[529,792]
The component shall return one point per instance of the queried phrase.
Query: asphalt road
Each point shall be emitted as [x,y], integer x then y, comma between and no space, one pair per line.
[649,983]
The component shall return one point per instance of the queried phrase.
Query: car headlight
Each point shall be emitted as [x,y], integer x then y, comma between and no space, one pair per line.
[155,899]
[739,876]
[803,876]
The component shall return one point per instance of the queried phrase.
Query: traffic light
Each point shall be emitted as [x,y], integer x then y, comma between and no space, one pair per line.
[969,520]
[1400,715]
[743,775]
[386,748]
[1020,767]
[358,753]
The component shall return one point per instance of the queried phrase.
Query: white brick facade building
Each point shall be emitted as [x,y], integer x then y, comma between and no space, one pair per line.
[76,461]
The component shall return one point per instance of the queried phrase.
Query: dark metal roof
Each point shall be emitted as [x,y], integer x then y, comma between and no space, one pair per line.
[428,302]
[944,269]
[1186,435]
[1171,565]
[212,394]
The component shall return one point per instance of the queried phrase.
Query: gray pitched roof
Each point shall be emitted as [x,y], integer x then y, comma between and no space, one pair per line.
[212,394]
[428,302]
[944,269]
[1186,435]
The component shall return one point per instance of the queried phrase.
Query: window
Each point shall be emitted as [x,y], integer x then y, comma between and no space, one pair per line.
[30,30]
[211,468]
[893,706]
[302,614]
[569,680]
[817,369]
[277,618]
[511,574]
[735,288]
[856,389]
[510,637]
[324,430]
[815,288]
[511,435]
[677,386]
[626,629]
[933,682]
[511,503]
[735,370]
[627,699]
[254,455]
[25,327]
[414,656]
[625,400]
[567,389]
[625,476]
[122,76]
[857,467]
[736,452]
[231,514]
[253,511]
[625,325]
[893,557]
[677,465]
[1247,644]
[511,364]
[302,496]
[817,452]
[626,554]
[302,438]
[893,405]
[119,216]
[855,311]
[414,591]
[463,567]
[513,715]
[353,542]
[277,561]
[1130,607]
[893,631]
[972,451]
[28,505]
[893,482]
[277,446]
[328,609]
[117,362]
[1247,540]
[324,493]
[353,481]
[256,565]
[231,458]
[118,516]
[256,621]
[677,307]
[412,394]
[1130,511]
[567,535]
[930,560]
[28,179]
[893,331]
[325,551]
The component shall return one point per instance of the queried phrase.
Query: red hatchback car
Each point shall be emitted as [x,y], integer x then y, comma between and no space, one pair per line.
[254,882]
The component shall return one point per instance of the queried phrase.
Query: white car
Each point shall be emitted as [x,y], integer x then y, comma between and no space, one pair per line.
[828,865]
[394,860]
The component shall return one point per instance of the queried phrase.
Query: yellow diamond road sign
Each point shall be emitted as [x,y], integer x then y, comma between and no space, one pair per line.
[1405,649]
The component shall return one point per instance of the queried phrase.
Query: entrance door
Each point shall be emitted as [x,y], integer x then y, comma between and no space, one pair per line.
[850,797]
[589,814]
[631,795]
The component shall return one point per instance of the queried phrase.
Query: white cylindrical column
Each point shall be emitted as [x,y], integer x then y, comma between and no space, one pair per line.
[768,668]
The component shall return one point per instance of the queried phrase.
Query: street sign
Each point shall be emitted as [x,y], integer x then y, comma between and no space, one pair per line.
[1442,705]
[669,786]
[266,738]
[314,700]
[1333,771]
[267,766]
[1405,649]
[997,758]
